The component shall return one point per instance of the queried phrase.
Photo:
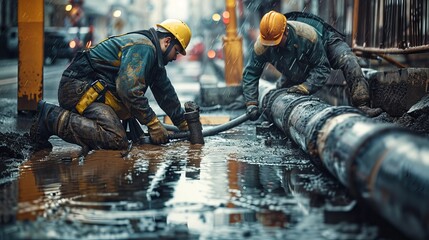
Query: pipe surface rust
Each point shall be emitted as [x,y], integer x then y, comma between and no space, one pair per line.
[382,164]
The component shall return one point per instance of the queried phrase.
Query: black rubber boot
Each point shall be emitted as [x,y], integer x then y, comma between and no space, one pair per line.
[45,124]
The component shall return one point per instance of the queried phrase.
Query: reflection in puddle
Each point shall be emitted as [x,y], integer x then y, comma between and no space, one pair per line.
[230,188]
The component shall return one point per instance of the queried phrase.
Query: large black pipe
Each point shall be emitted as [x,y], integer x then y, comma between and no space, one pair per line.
[385,165]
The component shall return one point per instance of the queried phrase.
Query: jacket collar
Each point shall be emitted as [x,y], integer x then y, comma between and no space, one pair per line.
[155,41]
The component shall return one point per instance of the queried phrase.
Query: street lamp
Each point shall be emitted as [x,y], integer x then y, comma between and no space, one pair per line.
[68,7]
[117,13]
[216,17]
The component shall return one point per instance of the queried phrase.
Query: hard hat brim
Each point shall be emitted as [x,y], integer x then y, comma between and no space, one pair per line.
[270,43]
[183,52]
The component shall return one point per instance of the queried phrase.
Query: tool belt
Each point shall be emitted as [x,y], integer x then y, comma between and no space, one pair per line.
[98,92]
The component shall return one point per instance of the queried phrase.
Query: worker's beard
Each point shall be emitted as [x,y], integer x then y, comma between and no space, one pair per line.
[165,60]
[167,51]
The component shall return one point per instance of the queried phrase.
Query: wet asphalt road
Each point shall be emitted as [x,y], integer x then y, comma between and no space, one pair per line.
[249,182]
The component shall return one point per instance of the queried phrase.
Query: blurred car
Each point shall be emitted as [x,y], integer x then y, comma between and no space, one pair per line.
[82,36]
[58,44]
[216,50]
[12,41]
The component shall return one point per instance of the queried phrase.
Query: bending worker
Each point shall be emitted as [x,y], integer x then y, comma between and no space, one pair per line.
[341,57]
[107,83]
[293,48]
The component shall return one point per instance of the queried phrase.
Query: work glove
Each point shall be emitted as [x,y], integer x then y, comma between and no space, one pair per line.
[253,112]
[183,126]
[300,89]
[158,133]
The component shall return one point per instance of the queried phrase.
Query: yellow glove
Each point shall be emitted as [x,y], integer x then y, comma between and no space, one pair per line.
[158,133]
[300,89]
[183,126]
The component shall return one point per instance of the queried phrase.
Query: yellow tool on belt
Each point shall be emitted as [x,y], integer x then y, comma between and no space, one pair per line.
[97,89]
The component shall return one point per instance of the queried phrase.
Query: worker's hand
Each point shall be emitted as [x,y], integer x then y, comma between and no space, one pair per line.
[183,126]
[300,89]
[158,133]
[253,112]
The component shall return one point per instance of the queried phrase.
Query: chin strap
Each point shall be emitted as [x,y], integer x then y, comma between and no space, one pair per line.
[165,54]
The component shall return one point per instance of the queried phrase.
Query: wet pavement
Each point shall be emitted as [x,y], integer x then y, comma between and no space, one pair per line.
[249,182]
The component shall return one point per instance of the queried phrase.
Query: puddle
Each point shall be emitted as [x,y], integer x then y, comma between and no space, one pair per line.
[236,186]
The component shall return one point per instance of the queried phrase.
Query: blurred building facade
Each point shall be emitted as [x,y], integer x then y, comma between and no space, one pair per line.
[405,21]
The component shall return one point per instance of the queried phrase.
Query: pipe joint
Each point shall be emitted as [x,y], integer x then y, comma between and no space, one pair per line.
[315,125]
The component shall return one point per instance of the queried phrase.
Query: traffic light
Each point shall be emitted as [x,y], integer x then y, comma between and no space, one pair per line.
[225,17]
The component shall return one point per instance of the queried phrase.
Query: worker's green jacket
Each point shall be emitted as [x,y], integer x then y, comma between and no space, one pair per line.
[302,59]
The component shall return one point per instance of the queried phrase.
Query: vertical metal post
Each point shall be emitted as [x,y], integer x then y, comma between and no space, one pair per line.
[30,64]
[233,48]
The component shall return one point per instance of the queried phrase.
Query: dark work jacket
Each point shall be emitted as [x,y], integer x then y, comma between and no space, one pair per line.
[328,33]
[130,64]
[302,59]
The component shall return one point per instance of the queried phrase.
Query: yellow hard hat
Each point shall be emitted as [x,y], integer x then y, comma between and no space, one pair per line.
[179,29]
[271,28]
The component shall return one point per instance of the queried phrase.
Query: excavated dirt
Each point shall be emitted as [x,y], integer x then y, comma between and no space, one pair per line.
[14,145]
[419,124]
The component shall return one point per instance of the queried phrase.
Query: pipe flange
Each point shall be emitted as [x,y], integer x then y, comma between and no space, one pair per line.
[317,122]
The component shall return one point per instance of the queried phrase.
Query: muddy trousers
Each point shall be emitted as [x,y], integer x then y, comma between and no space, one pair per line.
[341,57]
[99,127]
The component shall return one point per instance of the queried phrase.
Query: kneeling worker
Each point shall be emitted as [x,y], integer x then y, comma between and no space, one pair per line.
[107,83]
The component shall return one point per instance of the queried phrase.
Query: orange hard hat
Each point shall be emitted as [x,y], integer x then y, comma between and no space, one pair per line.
[271,28]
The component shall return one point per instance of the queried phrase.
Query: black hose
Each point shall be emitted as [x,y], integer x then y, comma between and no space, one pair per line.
[171,128]
[214,130]
[211,108]
[223,127]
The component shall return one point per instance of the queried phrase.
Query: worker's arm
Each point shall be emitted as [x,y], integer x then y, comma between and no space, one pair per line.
[167,98]
[320,67]
[131,83]
[252,72]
